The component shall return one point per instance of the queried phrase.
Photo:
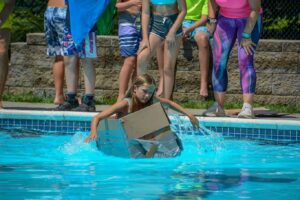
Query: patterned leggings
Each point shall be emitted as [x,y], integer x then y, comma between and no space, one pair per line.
[227,31]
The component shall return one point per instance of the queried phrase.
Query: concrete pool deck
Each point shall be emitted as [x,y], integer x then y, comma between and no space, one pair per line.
[198,112]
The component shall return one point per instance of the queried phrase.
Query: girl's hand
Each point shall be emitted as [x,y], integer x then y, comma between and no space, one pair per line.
[211,28]
[91,137]
[248,46]
[170,40]
[93,134]
[194,120]
[137,3]
[143,45]
[185,35]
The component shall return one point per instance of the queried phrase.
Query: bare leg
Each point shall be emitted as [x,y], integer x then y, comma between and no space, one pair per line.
[4,45]
[145,56]
[125,74]
[220,98]
[248,98]
[143,60]
[71,73]
[58,76]
[78,71]
[89,76]
[170,56]
[203,46]
[160,62]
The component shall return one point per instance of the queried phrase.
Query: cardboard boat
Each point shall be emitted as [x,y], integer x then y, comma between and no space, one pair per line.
[143,134]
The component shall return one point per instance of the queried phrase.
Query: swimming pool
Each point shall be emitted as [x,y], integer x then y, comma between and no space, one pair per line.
[52,162]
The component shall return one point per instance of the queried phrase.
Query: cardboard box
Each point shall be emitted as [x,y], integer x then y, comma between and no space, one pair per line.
[145,133]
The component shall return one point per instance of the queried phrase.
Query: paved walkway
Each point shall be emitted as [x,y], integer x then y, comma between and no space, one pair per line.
[261,113]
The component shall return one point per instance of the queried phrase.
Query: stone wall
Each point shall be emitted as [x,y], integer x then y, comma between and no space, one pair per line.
[277,64]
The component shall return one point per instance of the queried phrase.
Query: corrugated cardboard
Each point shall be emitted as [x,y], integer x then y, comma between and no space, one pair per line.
[146,121]
[129,136]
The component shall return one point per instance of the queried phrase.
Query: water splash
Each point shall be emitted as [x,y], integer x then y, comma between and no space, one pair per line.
[210,142]
[77,145]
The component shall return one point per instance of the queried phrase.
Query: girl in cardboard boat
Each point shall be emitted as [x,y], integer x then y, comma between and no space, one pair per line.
[139,96]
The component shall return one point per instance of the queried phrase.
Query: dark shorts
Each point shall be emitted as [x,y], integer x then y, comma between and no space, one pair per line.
[160,25]
[129,34]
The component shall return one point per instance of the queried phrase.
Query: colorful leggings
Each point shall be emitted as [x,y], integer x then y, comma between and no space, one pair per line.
[227,31]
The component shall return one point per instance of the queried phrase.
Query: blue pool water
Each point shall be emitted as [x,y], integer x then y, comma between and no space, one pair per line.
[46,166]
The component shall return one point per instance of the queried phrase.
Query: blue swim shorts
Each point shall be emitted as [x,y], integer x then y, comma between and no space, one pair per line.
[129,34]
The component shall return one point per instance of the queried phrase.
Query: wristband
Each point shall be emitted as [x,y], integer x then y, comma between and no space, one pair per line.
[246,35]
[211,20]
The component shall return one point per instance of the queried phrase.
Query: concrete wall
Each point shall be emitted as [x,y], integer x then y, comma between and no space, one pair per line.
[277,64]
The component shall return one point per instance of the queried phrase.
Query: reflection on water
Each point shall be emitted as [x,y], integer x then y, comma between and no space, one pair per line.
[6,168]
[193,185]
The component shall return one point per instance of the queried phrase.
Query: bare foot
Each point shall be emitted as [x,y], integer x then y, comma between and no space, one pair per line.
[59,99]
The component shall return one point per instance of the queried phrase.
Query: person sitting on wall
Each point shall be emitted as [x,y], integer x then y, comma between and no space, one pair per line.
[194,29]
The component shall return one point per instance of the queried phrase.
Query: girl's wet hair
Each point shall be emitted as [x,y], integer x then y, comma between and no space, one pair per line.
[144,79]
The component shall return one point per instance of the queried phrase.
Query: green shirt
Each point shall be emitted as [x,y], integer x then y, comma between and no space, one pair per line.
[196,9]
[8,22]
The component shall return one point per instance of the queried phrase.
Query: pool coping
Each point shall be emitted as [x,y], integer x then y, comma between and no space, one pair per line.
[87,116]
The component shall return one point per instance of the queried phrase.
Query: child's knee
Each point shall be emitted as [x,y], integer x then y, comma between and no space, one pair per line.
[130,60]
[202,40]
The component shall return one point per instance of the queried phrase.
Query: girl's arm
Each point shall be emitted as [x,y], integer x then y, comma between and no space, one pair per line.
[212,16]
[212,9]
[145,24]
[246,41]
[180,17]
[255,6]
[8,8]
[122,6]
[178,108]
[117,107]
[170,38]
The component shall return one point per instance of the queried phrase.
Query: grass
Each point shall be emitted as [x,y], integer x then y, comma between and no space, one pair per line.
[27,97]
[30,97]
